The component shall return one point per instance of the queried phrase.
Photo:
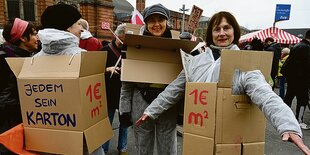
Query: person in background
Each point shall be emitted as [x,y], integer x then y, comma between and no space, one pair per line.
[298,78]
[281,78]
[61,31]
[105,42]
[271,45]
[223,32]
[87,41]
[257,45]
[21,40]
[60,36]
[188,36]
[113,87]
[135,97]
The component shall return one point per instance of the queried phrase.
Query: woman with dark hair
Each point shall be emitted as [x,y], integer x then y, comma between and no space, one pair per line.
[135,97]
[223,33]
[21,40]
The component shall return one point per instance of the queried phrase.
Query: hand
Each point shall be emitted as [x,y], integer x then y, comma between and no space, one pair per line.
[110,70]
[142,119]
[292,137]
[125,119]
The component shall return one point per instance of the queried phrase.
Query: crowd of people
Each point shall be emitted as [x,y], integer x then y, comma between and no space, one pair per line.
[151,108]
[291,70]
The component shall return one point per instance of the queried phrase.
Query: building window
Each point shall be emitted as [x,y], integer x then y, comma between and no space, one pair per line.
[29,10]
[23,9]
[13,9]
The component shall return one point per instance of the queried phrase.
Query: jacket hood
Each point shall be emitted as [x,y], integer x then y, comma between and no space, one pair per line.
[55,41]
[86,34]
[276,45]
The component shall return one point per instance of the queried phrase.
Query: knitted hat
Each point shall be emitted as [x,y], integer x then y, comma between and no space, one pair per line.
[60,16]
[156,9]
[185,35]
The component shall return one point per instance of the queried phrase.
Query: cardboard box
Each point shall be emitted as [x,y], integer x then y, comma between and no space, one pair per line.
[245,61]
[215,118]
[198,144]
[240,149]
[66,141]
[132,28]
[153,59]
[63,95]
[237,119]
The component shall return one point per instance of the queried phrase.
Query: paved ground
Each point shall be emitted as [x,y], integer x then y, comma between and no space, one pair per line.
[273,146]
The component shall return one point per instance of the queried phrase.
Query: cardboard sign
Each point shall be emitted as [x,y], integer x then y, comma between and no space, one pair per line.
[194,18]
[199,109]
[63,95]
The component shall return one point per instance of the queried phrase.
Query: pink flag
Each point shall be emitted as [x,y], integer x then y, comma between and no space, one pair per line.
[136,18]
[105,25]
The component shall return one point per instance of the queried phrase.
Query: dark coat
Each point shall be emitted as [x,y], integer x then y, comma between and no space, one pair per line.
[10,113]
[114,84]
[276,49]
[299,63]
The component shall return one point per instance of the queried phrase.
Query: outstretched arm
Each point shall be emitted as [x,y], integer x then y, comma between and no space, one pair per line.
[166,99]
[273,107]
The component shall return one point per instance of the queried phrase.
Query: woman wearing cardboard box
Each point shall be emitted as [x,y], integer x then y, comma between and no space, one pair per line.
[60,36]
[223,33]
[135,97]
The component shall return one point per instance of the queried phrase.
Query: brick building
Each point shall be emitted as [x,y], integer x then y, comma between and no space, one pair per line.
[94,11]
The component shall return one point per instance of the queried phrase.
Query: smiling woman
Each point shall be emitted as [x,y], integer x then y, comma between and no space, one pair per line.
[156,24]
[223,33]
[156,18]
[135,97]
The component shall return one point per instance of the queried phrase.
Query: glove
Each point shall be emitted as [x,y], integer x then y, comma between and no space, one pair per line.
[125,119]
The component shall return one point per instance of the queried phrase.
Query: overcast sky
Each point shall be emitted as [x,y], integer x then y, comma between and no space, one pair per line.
[252,14]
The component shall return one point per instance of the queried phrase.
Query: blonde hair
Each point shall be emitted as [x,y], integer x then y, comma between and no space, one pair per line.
[121,29]
[84,24]
[286,50]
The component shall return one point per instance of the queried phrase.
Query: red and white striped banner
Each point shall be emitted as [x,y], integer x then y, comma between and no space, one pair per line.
[279,35]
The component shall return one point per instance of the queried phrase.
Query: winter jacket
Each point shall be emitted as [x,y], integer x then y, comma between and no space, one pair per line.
[299,63]
[56,42]
[276,49]
[8,85]
[10,113]
[113,84]
[89,43]
[252,83]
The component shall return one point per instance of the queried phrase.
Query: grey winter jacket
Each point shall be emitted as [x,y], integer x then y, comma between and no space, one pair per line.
[57,42]
[252,83]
